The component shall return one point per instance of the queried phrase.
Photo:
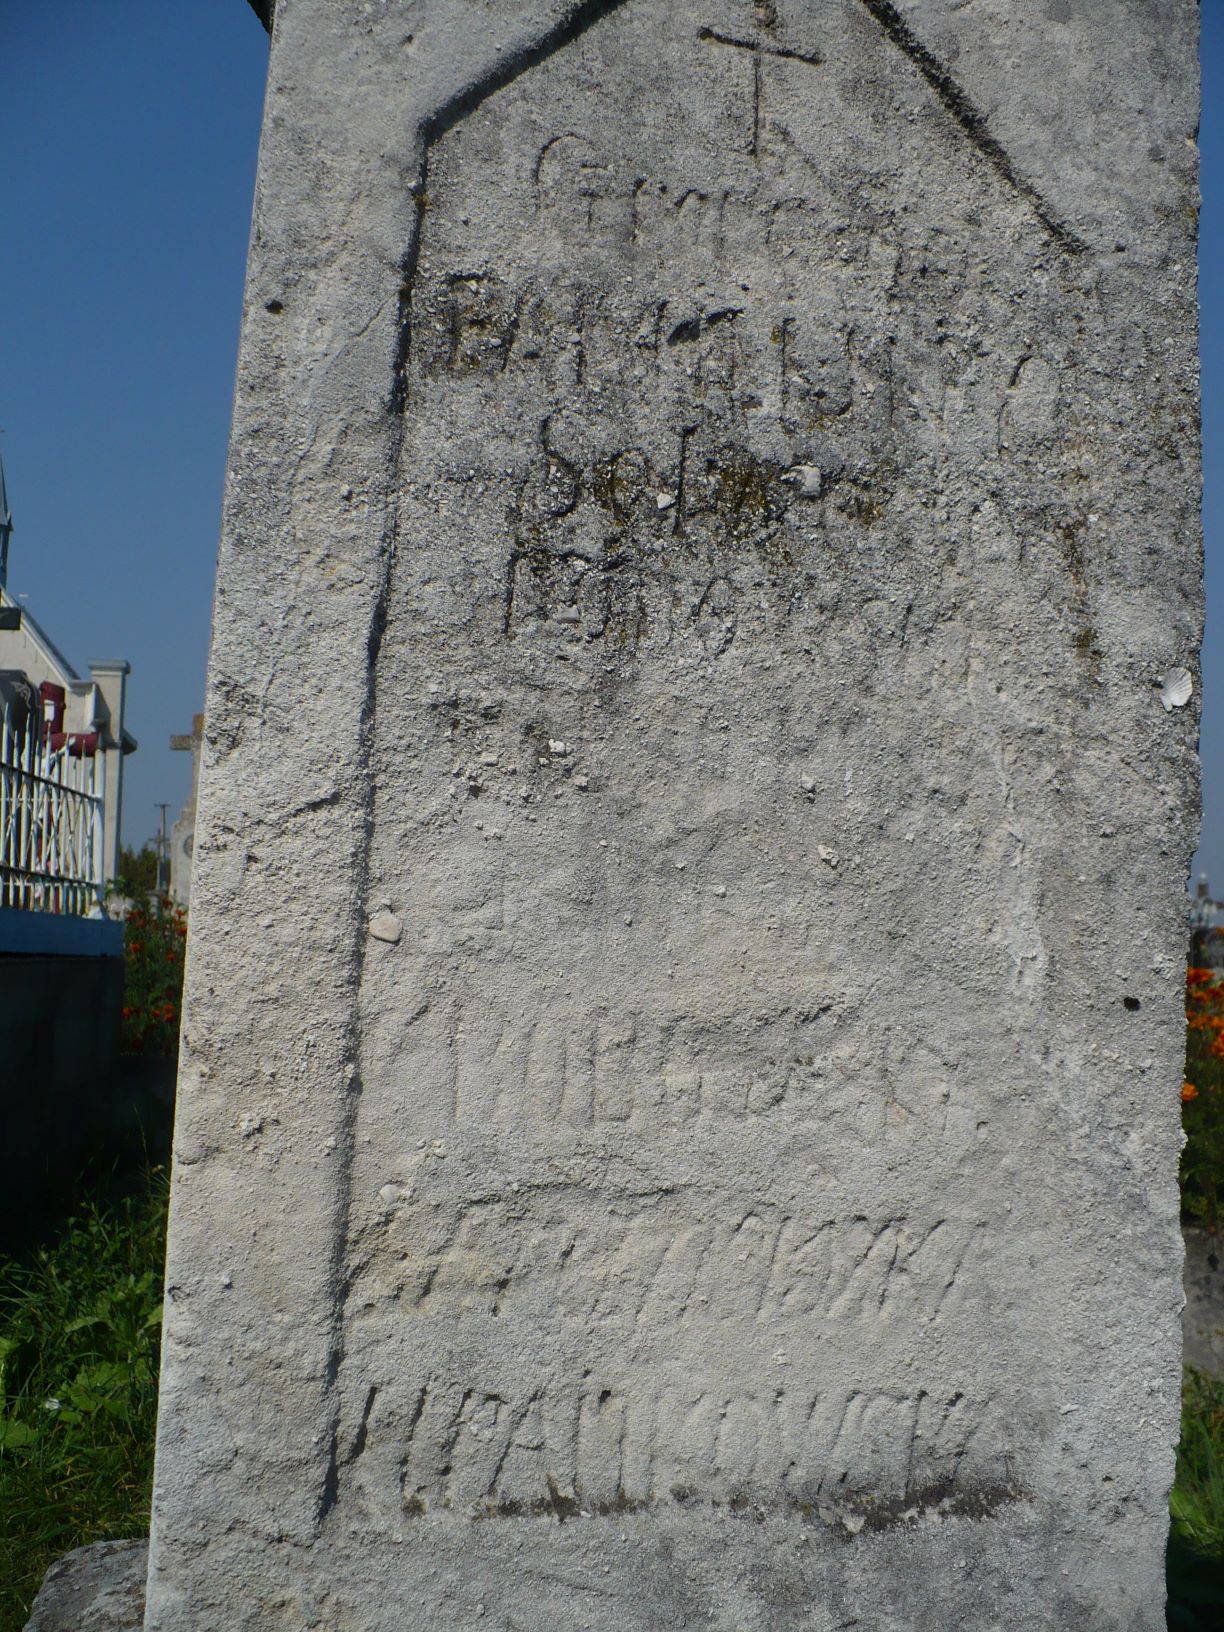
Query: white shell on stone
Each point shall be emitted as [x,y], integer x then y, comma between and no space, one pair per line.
[807,478]
[385,926]
[1176,689]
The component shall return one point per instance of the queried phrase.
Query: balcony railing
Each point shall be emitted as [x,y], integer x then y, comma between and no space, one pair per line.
[51,821]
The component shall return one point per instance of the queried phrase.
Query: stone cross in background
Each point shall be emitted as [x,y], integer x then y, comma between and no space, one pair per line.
[664,1139]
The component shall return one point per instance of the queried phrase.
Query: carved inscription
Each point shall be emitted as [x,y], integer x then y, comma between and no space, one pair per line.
[697,434]
[480,1064]
[797,1302]
[669,1269]
[719,435]
[597,1449]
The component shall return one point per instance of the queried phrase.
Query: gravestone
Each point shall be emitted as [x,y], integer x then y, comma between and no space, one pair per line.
[679,1111]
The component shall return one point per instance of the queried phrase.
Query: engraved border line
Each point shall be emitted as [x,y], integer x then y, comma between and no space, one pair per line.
[572,24]
[971,119]
[571,27]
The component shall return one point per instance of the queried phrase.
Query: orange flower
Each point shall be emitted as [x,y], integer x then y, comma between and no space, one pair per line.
[135,946]
[1189,1092]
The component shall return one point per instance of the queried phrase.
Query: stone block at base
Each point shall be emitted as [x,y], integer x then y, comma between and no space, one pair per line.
[94,1589]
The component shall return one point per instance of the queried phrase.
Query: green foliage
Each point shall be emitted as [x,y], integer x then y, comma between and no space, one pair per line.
[1196,1535]
[79,1335]
[154,942]
[1198,1495]
[137,872]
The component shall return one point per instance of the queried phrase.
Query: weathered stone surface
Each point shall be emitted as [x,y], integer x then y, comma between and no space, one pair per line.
[94,1589]
[712,509]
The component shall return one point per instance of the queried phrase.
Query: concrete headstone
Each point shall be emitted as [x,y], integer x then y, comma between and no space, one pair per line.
[678,1123]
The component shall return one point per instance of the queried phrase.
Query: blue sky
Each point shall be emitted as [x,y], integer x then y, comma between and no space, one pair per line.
[128,130]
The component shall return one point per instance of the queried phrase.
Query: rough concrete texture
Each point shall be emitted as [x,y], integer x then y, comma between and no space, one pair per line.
[94,1589]
[679,1116]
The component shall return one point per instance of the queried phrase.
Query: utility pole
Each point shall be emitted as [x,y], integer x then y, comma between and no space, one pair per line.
[163,854]
[6,529]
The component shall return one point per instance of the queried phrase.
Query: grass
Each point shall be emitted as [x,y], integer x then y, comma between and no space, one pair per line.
[79,1332]
[1196,1508]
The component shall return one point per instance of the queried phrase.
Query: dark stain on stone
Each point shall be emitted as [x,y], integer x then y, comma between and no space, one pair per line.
[743,492]
[861,505]
[1069,535]
[687,330]
[852,1516]
[941,1498]
[621,482]
[1071,540]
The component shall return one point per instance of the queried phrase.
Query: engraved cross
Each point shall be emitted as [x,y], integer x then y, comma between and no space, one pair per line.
[758,51]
